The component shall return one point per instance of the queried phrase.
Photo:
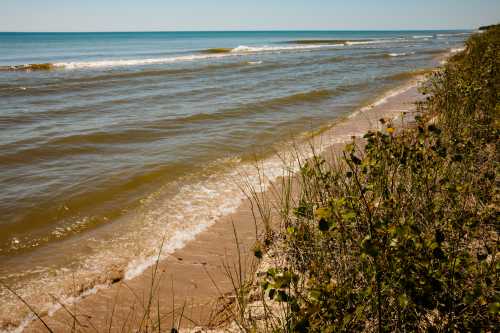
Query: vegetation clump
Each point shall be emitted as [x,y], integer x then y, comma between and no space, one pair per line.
[401,234]
[30,67]
[487,27]
[218,50]
[40,67]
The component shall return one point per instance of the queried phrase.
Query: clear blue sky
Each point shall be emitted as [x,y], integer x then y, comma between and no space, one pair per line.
[131,15]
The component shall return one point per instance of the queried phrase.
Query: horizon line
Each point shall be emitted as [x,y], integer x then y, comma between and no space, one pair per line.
[244,30]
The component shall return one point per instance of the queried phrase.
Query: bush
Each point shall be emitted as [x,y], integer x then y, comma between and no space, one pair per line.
[402,234]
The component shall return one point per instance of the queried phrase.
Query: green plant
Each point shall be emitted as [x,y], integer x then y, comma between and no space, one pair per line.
[401,234]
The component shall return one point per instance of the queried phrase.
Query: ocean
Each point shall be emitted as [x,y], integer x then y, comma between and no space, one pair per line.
[114,142]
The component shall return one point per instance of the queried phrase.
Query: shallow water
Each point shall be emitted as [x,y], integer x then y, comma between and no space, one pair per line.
[133,137]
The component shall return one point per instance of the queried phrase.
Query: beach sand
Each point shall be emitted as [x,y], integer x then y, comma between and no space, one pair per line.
[193,279]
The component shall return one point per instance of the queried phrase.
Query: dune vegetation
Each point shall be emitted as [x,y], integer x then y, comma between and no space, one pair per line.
[400,233]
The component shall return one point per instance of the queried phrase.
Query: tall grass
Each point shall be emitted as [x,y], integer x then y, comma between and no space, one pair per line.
[401,232]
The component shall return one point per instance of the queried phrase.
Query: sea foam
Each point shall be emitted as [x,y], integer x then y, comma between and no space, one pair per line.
[238,51]
[458,49]
[402,54]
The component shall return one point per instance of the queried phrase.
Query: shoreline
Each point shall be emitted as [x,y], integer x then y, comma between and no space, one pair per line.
[217,240]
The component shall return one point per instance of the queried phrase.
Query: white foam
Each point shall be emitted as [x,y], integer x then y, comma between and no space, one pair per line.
[452,51]
[255,49]
[178,241]
[137,62]
[366,42]
[402,54]
[454,34]
[458,49]
[376,41]
[238,51]
[22,326]
[65,300]
[423,37]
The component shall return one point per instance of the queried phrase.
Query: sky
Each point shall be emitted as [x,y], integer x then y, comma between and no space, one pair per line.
[175,15]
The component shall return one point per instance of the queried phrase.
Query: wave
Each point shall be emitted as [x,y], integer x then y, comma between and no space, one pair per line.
[265,48]
[407,75]
[212,53]
[92,142]
[337,42]
[114,79]
[402,54]
[395,54]
[454,34]
[367,42]
[435,51]
[135,62]
[256,49]
[331,60]
[423,36]
[325,41]
[386,97]
[308,97]
[242,110]
[111,78]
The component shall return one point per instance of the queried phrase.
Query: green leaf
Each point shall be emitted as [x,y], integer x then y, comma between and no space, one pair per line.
[349,216]
[494,308]
[403,300]
[315,294]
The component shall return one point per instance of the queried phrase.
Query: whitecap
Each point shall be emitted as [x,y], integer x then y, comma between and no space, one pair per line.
[238,51]
[402,54]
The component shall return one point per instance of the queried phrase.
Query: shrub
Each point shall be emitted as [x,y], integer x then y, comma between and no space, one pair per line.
[402,233]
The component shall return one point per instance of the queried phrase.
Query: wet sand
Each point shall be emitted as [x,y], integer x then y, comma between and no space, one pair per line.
[193,279]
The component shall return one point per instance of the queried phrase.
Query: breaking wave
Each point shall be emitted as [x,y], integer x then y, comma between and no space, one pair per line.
[212,53]
[402,54]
